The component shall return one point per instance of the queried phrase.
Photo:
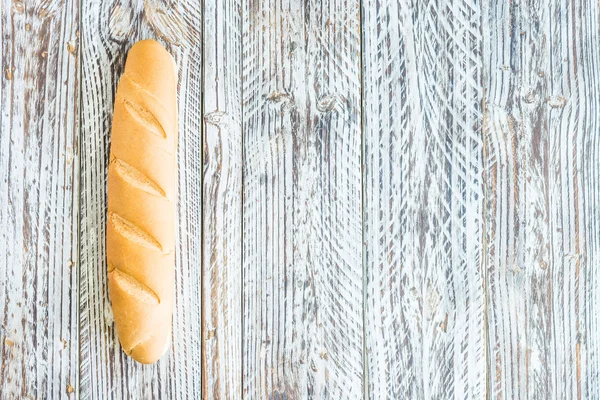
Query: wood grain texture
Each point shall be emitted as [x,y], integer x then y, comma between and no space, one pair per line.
[222,201]
[541,173]
[585,87]
[108,31]
[472,191]
[302,253]
[38,200]
[423,200]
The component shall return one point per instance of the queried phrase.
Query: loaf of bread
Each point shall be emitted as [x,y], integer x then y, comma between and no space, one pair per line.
[142,193]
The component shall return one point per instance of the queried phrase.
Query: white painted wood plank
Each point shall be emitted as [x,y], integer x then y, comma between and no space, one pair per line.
[38,200]
[222,200]
[586,81]
[425,333]
[302,252]
[109,28]
[541,173]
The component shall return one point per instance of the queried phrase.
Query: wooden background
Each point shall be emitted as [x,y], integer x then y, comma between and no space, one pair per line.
[382,199]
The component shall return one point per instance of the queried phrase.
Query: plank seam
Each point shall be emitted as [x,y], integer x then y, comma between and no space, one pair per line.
[243,200]
[79,116]
[203,380]
[362,201]
[484,207]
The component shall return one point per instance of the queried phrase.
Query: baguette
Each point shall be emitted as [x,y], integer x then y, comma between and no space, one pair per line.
[142,193]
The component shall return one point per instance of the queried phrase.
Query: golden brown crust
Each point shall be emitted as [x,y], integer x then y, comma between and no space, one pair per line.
[142,192]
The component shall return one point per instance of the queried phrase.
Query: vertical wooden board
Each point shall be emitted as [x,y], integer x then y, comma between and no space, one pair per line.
[573,81]
[588,191]
[38,200]
[425,299]
[302,253]
[109,28]
[541,168]
[589,163]
[515,113]
[222,201]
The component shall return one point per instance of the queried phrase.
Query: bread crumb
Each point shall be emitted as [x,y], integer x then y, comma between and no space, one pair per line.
[70,389]
[9,74]
[64,342]
[69,157]
[313,366]
[444,323]
[9,342]
[71,47]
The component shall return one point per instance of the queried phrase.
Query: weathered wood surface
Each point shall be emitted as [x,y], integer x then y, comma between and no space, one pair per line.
[38,200]
[222,201]
[419,219]
[108,31]
[302,252]
[541,148]
[423,200]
